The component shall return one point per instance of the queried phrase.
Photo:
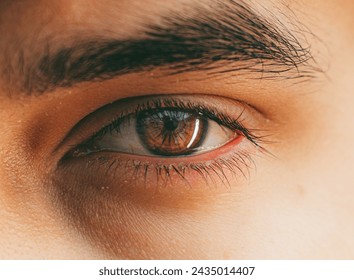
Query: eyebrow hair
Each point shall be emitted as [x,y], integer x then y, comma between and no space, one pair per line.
[231,38]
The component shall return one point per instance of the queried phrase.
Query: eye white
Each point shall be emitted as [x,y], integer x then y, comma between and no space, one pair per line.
[126,139]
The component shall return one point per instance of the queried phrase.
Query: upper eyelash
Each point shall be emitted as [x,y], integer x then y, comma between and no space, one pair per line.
[212,114]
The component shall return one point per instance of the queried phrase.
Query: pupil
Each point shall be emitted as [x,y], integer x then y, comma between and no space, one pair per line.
[170,124]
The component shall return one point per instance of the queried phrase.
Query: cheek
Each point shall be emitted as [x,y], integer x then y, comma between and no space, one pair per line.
[124,223]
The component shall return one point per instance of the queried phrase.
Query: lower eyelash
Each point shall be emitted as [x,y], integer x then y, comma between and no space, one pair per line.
[212,171]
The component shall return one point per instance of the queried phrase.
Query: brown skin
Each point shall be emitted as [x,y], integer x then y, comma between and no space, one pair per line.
[297,203]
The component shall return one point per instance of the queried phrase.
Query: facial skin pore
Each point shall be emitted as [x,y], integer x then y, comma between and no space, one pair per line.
[68,66]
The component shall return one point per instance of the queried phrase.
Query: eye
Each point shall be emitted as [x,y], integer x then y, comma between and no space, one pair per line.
[141,139]
[168,127]
[167,132]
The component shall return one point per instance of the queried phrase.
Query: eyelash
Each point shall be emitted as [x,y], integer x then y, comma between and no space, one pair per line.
[237,162]
[220,118]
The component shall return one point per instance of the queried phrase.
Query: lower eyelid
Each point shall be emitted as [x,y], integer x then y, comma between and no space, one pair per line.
[116,169]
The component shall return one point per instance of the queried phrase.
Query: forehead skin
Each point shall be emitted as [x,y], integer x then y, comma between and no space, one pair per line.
[321,175]
[125,18]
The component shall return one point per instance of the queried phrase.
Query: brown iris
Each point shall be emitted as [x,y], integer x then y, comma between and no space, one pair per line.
[171,132]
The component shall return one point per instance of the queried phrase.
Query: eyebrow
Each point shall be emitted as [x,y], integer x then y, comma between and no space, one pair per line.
[232,38]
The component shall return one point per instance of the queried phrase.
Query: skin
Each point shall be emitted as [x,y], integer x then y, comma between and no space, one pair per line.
[295,204]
